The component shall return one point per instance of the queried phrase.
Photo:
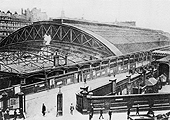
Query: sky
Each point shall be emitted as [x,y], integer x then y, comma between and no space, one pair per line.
[153,14]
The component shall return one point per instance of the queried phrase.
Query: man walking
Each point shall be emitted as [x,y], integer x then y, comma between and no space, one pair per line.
[110,114]
[101,114]
[43,109]
[128,113]
[71,108]
[137,110]
[90,116]
[92,109]
[15,114]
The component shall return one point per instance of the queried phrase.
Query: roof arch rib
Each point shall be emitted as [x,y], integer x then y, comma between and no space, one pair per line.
[33,35]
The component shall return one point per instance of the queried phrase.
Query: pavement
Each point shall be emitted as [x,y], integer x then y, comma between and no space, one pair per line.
[34,102]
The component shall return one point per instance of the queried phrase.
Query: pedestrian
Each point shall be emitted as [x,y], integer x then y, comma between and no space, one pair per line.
[85,80]
[6,115]
[92,109]
[15,114]
[71,108]
[128,113]
[22,113]
[90,116]
[101,114]
[110,114]
[137,110]
[150,112]
[43,109]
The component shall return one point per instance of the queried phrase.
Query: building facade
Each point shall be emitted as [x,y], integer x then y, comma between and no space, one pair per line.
[11,22]
[35,15]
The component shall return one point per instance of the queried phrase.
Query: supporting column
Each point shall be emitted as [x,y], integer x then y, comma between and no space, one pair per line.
[138,85]
[91,72]
[66,61]
[56,60]
[21,102]
[100,65]
[82,77]
[46,80]
[144,75]
[5,100]
[59,103]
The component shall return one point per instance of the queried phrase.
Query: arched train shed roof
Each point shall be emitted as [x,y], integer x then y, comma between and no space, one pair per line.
[32,36]
[126,39]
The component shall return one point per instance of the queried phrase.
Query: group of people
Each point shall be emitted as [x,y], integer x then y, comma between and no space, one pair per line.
[4,115]
[109,113]
[91,112]
[137,111]
[44,109]
[150,111]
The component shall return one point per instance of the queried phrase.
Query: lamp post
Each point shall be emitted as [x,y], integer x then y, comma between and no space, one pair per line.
[129,84]
[59,103]
[113,85]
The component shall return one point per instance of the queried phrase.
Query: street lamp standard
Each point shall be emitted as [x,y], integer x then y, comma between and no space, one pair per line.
[129,84]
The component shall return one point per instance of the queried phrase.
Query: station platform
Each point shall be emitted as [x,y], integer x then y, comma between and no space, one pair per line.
[34,102]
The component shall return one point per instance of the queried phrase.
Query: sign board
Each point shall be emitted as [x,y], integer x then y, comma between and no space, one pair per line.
[17,89]
[14,103]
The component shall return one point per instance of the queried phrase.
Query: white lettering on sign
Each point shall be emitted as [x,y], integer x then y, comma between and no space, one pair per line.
[69,80]
[41,85]
[98,74]
[59,83]
[94,73]
[103,72]
[88,76]
[120,99]
[51,82]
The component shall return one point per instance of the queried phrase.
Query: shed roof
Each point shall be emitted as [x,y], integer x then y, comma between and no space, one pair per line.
[126,39]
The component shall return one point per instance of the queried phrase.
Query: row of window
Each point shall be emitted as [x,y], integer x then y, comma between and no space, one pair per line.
[13,18]
[4,33]
[19,24]
[2,28]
